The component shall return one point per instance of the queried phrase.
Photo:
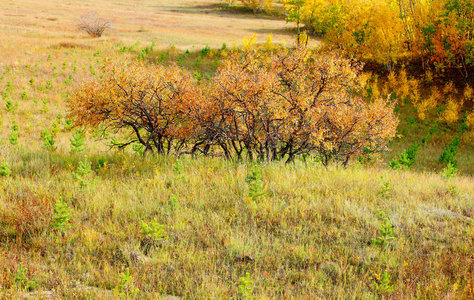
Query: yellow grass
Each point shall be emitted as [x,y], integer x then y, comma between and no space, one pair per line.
[315,233]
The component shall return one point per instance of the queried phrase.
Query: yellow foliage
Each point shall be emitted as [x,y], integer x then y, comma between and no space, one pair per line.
[426,105]
[250,42]
[403,90]
[449,88]
[451,114]
[269,43]
[468,94]
[470,120]
[386,31]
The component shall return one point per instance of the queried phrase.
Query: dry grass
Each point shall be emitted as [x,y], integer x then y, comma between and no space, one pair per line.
[310,236]
[307,237]
[185,24]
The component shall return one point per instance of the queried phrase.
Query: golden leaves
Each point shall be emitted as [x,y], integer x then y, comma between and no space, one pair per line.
[278,104]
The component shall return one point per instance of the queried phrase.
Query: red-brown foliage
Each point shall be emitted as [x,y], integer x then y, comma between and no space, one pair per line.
[266,106]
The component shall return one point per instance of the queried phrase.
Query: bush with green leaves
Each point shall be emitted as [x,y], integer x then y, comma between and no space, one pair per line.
[45,107]
[49,141]
[257,189]
[173,203]
[77,141]
[126,288]
[386,190]
[61,217]
[14,135]
[448,156]
[245,287]
[406,158]
[84,173]
[387,234]
[450,171]
[22,281]
[153,234]
[146,51]
[384,285]
[138,149]
[24,95]
[68,124]
[178,167]
[10,105]
[5,169]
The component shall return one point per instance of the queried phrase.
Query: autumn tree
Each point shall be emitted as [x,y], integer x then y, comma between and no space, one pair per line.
[264,105]
[437,32]
[154,104]
[295,102]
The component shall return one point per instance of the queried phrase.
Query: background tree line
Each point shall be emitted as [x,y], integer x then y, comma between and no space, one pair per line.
[436,34]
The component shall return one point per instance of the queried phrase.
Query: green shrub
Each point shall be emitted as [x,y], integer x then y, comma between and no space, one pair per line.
[407,158]
[14,135]
[61,216]
[22,281]
[255,183]
[245,286]
[83,173]
[387,234]
[125,288]
[450,171]
[448,156]
[9,105]
[5,169]
[384,286]
[153,234]
[77,141]
[48,138]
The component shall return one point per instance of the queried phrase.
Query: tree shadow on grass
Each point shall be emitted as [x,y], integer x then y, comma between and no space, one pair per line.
[224,10]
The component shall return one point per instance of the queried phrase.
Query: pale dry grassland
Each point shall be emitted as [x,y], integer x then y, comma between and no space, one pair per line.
[185,24]
[362,232]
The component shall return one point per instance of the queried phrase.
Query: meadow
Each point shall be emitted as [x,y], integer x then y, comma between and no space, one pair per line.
[79,220]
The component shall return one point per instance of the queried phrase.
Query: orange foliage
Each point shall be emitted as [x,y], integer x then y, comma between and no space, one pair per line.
[266,106]
[156,102]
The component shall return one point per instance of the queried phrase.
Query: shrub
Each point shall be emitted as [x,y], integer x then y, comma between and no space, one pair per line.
[14,135]
[22,281]
[292,103]
[5,169]
[406,158]
[153,233]
[77,141]
[436,33]
[262,105]
[26,216]
[256,5]
[245,286]
[387,234]
[448,156]
[94,25]
[61,216]
[84,173]
[126,288]
[49,141]
[256,185]
[449,171]
[155,103]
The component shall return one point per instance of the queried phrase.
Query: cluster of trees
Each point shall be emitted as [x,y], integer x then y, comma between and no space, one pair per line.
[437,33]
[445,102]
[264,106]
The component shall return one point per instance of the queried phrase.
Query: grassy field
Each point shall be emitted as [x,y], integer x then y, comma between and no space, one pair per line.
[107,224]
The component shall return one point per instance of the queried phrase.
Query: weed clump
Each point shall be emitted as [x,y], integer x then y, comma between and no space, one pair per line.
[94,25]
